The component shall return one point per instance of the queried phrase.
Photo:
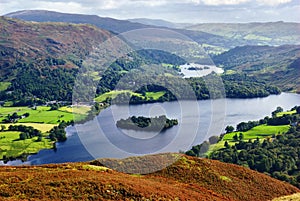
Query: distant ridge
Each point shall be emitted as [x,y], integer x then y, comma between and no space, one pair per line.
[154,22]
[120,26]
[261,33]
[111,24]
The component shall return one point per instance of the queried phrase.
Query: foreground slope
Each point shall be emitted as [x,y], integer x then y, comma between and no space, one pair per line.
[187,179]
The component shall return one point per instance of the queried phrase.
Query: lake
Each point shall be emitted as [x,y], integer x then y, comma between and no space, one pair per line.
[198,120]
[199,70]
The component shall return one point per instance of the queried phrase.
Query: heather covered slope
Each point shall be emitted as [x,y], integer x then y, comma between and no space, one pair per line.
[45,44]
[187,179]
[41,60]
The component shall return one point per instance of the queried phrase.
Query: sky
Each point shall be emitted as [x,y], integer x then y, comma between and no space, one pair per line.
[181,11]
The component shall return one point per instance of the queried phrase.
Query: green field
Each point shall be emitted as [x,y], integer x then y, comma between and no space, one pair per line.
[154,95]
[43,114]
[261,132]
[42,127]
[280,114]
[81,109]
[41,118]
[4,85]
[113,94]
[11,146]
[230,72]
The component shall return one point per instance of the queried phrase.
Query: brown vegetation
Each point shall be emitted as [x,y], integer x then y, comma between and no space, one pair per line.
[187,179]
[22,41]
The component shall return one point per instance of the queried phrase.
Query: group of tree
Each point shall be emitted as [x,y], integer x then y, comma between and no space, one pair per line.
[58,133]
[278,156]
[13,118]
[27,132]
[147,124]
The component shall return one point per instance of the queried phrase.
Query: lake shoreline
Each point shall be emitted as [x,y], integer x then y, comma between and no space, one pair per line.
[242,114]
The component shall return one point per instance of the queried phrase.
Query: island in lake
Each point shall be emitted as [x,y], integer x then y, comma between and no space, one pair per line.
[147,123]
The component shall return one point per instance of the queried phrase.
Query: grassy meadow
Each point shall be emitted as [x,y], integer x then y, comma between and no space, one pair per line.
[41,118]
[11,146]
[114,94]
[261,132]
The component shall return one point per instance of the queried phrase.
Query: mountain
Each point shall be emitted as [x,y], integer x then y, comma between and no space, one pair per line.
[187,179]
[160,23]
[277,65]
[154,22]
[42,59]
[269,33]
[114,25]
[210,42]
[40,62]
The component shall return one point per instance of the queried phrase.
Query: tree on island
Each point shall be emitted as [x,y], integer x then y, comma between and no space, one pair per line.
[146,123]
[229,129]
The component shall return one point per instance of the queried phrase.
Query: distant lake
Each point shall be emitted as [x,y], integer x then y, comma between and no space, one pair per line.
[198,70]
[198,121]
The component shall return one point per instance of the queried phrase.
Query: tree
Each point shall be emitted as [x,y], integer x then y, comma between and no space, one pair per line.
[226,145]
[241,136]
[23,136]
[39,139]
[235,137]
[190,153]
[278,109]
[3,127]
[229,129]
[298,110]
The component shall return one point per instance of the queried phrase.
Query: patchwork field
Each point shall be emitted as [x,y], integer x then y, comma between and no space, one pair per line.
[41,118]
[43,114]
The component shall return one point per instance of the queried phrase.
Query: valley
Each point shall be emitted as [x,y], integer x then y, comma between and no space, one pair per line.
[98,108]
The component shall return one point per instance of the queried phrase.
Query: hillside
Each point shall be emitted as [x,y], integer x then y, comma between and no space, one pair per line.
[43,43]
[270,33]
[40,62]
[42,59]
[269,145]
[211,42]
[117,26]
[277,65]
[154,22]
[187,179]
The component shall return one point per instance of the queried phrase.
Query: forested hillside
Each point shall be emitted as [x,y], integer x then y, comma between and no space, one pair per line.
[40,62]
[269,145]
[276,65]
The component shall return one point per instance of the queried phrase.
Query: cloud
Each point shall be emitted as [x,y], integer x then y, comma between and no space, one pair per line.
[224,2]
[273,2]
[238,2]
[172,10]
